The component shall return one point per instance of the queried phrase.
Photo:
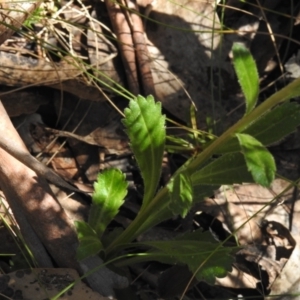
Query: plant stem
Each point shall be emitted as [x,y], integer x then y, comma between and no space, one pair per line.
[291,90]
[141,223]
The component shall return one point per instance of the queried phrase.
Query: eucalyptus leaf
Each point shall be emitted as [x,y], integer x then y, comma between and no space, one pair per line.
[227,169]
[270,128]
[247,74]
[145,126]
[89,243]
[110,190]
[259,160]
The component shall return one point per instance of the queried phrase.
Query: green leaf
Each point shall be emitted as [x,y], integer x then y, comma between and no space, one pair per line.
[247,74]
[202,191]
[227,169]
[203,256]
[110,191]
[181,193]
[276,124]
[89,243]
[34,17]
[270,128]
[259,160]
[145,126]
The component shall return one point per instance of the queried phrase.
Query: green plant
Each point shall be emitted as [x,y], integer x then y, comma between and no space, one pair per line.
[238,155]
[36,16]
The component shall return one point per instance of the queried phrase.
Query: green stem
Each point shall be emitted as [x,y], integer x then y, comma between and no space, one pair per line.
[141,223]
[291,90]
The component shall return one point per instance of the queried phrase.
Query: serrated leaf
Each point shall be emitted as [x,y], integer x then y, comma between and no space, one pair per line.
[145,126]
[213,260]
[259,160]
[110,191]
[89,243]
[270,128]
[227,169]
[247,74]
[181,194]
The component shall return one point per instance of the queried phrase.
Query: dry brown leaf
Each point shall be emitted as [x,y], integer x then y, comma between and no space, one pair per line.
[106,138]
[91,124]
[261,256]
[249,203]
[238,279]
[287,284]
[266,222]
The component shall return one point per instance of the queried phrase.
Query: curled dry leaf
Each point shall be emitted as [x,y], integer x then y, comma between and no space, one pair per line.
[287,283]
[240,203]
[260,255]
[237,278]
[266,224]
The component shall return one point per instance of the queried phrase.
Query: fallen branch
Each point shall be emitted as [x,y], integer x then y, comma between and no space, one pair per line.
[142,53]
[42,220]
[125,42]
[32,202]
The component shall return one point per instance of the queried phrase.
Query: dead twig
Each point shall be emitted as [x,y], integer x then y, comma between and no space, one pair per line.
[142,53]
[124,36]
[128,27]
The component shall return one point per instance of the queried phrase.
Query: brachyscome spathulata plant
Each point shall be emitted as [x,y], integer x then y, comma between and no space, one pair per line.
[239,155]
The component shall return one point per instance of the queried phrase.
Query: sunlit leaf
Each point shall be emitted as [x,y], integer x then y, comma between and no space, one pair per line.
[110,190]
[259,160]
[145,126]
[247,74]
[89,243]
